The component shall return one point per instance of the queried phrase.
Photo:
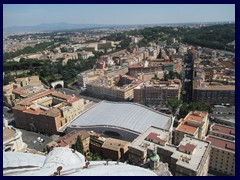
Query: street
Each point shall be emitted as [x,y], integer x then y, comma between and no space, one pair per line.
[30,138]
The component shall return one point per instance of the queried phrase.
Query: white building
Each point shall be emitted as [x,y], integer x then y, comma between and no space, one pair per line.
[12,139]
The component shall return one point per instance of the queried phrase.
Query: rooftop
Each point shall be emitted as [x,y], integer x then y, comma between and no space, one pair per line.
[114,144]
[221,143]
[142,141]
[187,129]
[223,129]
[8,133]
[129,116]
[212,88]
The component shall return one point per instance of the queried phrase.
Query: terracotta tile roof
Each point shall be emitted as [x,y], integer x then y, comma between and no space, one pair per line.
[135,67]
[156,137]
[187,129]
[37,96]
[15,91]
[62,144]
[61,95]
[221,143]
[188,147]
[223,129]
[71,137]
[72,100]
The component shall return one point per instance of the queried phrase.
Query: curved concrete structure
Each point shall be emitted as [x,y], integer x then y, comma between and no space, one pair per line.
[125,120]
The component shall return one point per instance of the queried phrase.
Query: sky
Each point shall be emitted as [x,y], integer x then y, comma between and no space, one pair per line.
[35,14]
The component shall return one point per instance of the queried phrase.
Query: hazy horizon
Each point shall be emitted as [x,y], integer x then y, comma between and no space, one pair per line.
[113,14]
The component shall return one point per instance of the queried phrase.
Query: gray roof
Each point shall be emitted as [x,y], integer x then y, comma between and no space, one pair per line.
[131,116]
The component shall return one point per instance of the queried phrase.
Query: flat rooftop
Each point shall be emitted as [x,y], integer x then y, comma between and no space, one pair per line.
[130,116]
[187,129]
[223,129]
[189,161]
[114,144]
[217,88]
[221,143]
[141,144]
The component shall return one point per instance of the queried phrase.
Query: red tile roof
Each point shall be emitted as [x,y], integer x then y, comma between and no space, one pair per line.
[188,147]
[221,143]
[187,129]
[15,91]
[155,137]
[62,144]
[72,100]
[223,129]
[37,96]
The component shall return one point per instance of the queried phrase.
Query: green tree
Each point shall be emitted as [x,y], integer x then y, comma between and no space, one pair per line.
[79,145]
[174,103]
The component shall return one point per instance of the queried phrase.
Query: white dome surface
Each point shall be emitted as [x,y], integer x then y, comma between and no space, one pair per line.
[61,156]
[97,168]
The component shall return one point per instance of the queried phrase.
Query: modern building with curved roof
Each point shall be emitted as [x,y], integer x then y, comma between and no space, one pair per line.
[121,120]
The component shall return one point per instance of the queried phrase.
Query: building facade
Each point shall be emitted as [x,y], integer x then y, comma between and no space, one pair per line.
[215,94]
[157,92]
[47,111]
[222,159]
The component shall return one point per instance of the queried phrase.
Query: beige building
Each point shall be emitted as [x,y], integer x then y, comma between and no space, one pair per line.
[139,149]
[189,158]
[148,76]
[157,92]
[24,87]
[109,148]
[114,88]
[222,131]
[195,124]
[114,148]
[47,111]
[12,139]
[222,159]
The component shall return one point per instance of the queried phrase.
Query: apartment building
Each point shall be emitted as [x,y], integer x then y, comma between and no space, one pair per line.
[157,92]
[135,70]
[113,88]
[195,124]
[222,158]
[215,94]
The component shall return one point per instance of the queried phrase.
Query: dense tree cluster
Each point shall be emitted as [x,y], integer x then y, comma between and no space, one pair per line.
[216,36]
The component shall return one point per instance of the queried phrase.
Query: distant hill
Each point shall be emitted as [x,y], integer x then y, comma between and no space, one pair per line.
[51,27]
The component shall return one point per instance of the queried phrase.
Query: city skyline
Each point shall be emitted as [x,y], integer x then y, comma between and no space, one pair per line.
[32,14]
